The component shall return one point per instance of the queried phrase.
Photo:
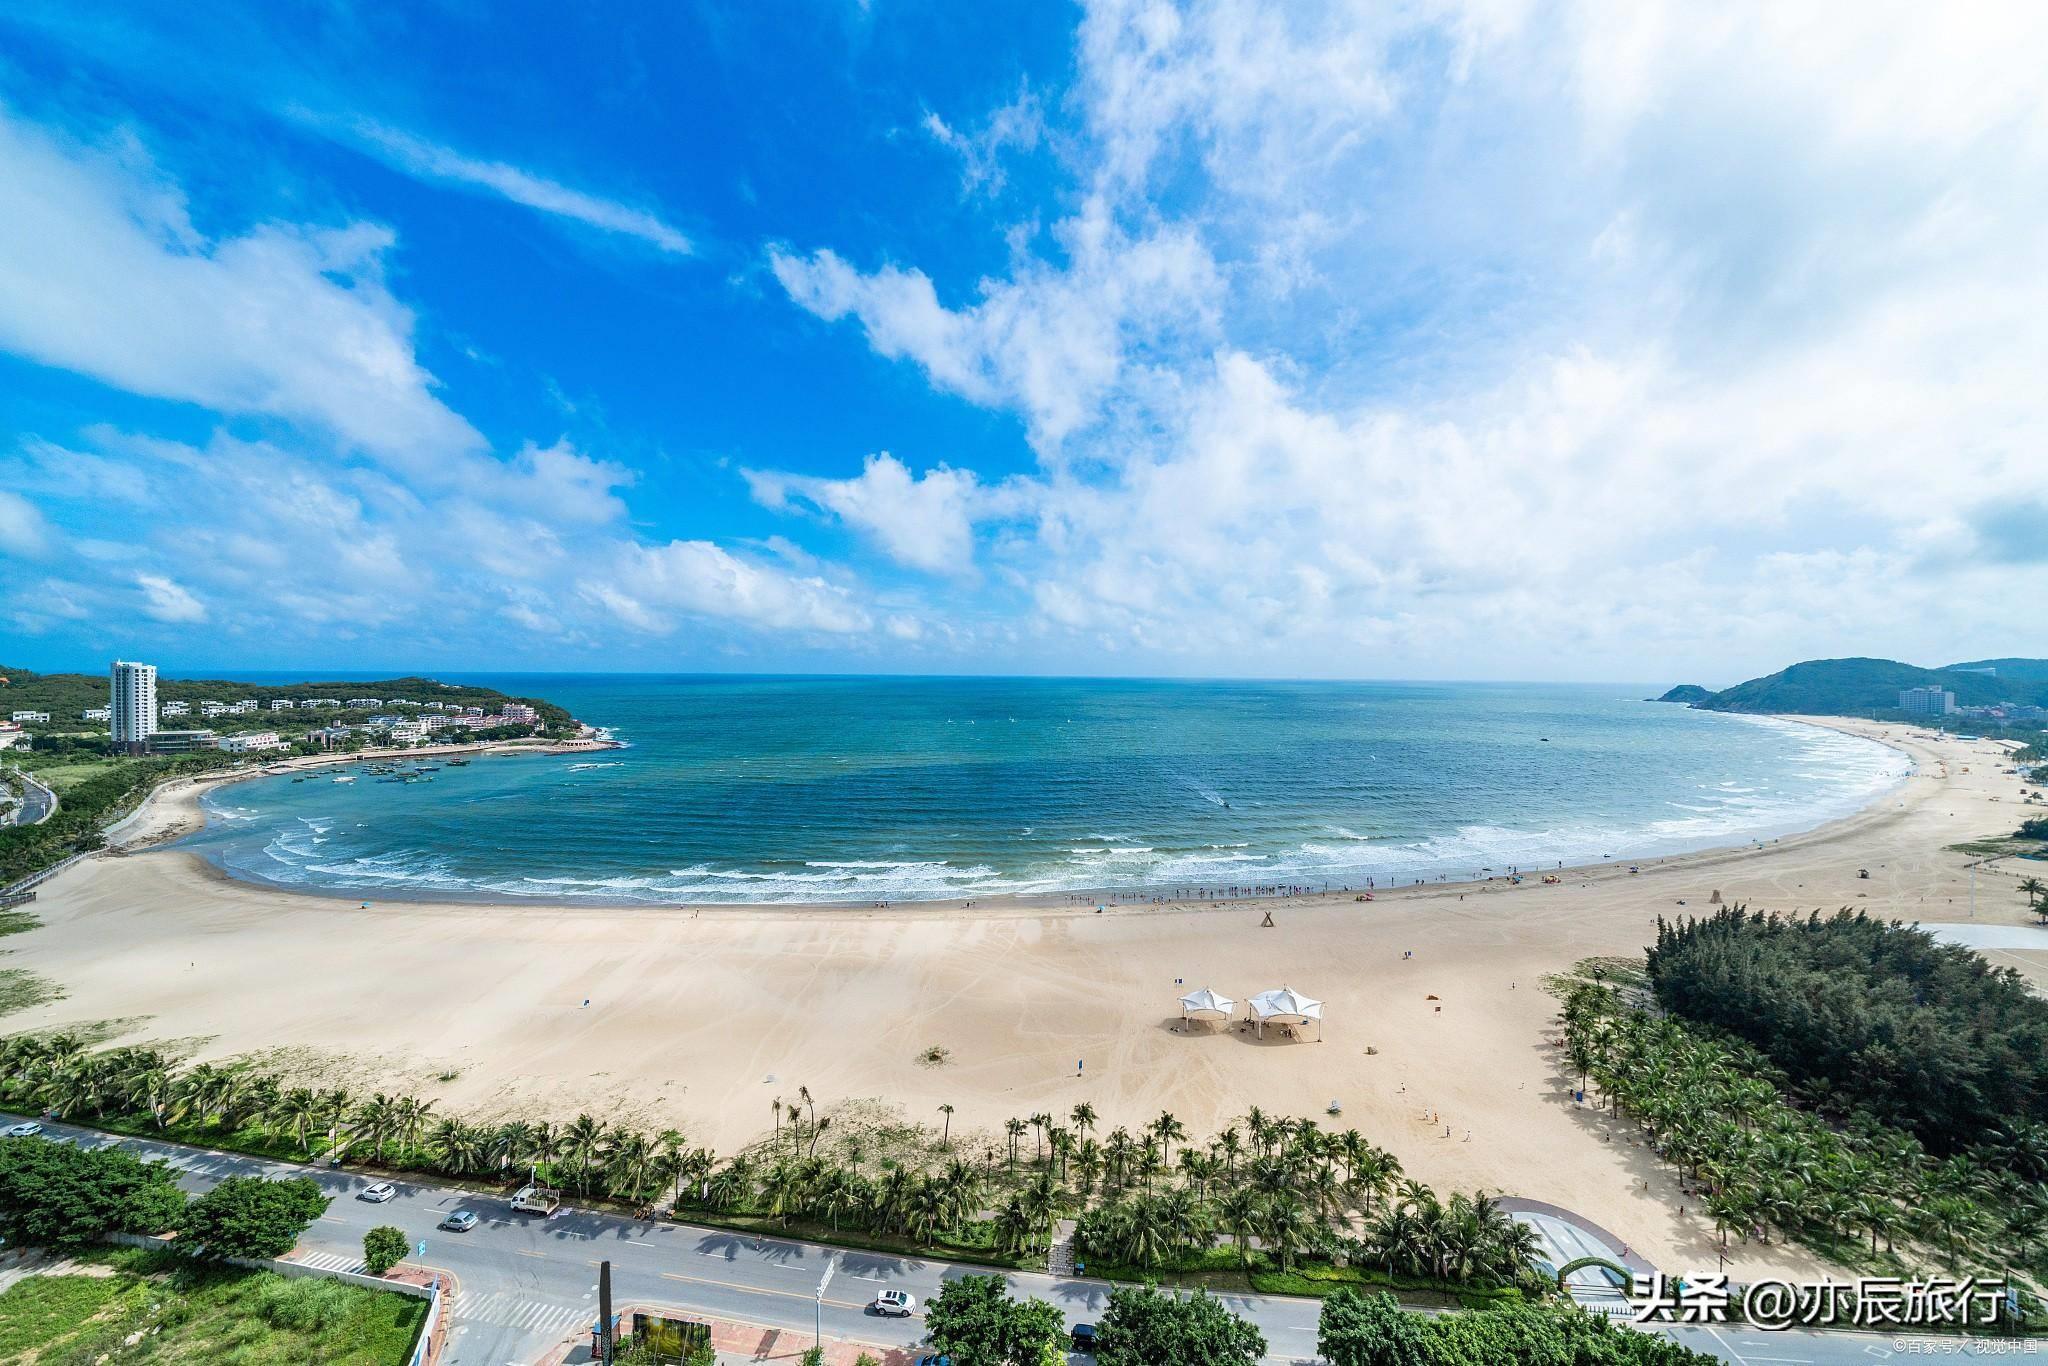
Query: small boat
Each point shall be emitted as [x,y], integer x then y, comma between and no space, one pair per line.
[344,777]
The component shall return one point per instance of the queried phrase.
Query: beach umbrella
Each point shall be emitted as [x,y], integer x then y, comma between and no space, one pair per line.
[1285,1003]
[1205,1001]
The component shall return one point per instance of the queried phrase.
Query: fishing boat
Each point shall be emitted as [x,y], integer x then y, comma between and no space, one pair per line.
[344,777]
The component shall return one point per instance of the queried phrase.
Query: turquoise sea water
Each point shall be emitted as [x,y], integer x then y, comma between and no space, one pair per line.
[857,790]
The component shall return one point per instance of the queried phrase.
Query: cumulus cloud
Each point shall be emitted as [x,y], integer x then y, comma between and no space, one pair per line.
[310,550]
[1508,332]
[167,600]
[1051,341]
[924,521]
[652,586]
[103,272]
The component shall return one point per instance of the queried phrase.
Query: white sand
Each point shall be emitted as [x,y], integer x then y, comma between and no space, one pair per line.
[691,1011]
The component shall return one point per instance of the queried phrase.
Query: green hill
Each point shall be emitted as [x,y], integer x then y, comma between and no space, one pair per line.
[2010,670]
[1857,687]
[1692,694]
[66,695]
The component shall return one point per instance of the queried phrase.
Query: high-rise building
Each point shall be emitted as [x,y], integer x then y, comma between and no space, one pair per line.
[132,712]
[1927,701]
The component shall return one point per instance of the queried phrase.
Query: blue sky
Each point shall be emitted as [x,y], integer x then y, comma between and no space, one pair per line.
[1488,340]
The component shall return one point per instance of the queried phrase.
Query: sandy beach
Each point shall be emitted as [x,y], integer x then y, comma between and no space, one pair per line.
[701,1017]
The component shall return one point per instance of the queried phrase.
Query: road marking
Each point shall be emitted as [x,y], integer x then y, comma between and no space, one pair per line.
[807,1296]
[523,1252]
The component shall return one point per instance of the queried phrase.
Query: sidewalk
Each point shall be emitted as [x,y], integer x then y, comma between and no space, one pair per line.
[738,1344]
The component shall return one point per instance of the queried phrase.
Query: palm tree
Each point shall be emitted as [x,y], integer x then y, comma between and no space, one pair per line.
[947,1140]
[1243,1213]
[299,1108]
[580,1144]
[1166,1128]
[1015,1128]
[1287,1227]
[1083,1116]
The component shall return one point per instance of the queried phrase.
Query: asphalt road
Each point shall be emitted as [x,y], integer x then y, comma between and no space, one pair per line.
[525,1282]
[37,803]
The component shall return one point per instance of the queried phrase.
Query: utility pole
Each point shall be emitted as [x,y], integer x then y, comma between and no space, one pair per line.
[831,1264]
[607,1348]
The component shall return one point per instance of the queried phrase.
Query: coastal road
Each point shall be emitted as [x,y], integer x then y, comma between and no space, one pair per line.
[38,804]
[525,1283]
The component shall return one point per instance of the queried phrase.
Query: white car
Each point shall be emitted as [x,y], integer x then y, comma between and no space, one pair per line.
[28,1130]
[378,1193]
[899,1302]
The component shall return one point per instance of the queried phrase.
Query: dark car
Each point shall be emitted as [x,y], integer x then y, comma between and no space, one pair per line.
[934,1360]
[1084,1338]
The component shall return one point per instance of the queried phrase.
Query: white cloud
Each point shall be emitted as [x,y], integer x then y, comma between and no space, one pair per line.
[925,521]
[21,527]
[430,161]
[167,600]
[1050,341]
[1505,338]
[1019,124]
[102,272]
[652,587]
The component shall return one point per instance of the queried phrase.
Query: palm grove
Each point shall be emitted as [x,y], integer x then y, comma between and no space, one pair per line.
[1844,1082]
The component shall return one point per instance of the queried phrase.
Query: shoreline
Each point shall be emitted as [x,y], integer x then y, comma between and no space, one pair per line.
[1126,900]
[171,811]
[658,1016]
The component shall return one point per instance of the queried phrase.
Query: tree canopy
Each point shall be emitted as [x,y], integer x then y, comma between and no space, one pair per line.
[59,1195]
[1153,1327]
[975,1319]
[1865,1015]
[1360,1329]
[247,1216]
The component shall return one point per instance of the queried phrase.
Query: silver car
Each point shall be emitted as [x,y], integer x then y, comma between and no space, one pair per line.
[26,1130]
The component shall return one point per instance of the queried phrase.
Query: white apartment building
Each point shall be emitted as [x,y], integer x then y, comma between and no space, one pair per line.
[518,713]
[408,732]
[365,702]
[213,709]
[242,708]
[1928,701]
[175,709]
[280,704]
[12,736]
[31,716]
[97,714]
[253,743]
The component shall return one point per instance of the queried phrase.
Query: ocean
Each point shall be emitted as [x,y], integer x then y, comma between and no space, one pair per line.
[863,790]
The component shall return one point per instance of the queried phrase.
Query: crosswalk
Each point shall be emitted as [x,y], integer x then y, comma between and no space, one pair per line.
[330,1261]
[511,1310]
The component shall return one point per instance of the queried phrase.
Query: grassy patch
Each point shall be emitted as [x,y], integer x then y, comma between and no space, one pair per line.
[186,1315]
[20,989]
[17,922]
[62,772]
[974,1243]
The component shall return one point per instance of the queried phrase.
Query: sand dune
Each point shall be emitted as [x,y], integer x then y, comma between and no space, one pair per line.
[691,1013]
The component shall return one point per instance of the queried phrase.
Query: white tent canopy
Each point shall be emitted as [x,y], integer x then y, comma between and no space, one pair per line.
[1205,1001]
[1287,1005]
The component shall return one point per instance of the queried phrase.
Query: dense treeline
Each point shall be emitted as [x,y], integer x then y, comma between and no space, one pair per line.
[1371,1330]
[86,808]
[1862,1015]
[1760,1167]
[1282,1202]
[63,1196]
